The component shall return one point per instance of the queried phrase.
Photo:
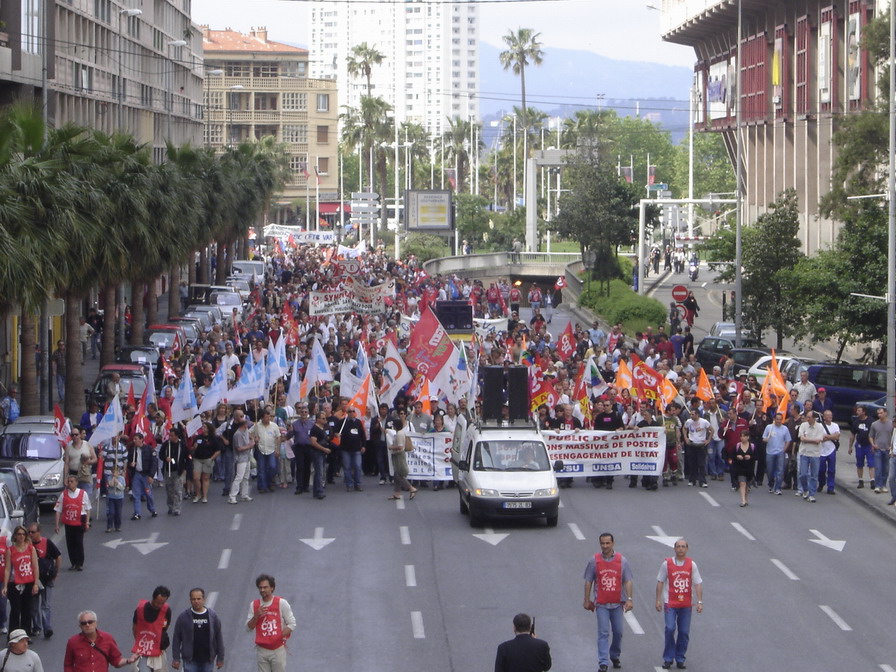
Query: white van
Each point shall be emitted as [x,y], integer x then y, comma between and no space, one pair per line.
[36,445]
[248,267]
[504,472]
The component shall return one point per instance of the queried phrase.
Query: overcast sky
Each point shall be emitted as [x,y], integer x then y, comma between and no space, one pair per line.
[620,29]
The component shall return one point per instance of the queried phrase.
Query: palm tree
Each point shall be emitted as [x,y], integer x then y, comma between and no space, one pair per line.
[457,148]
[361,60]
[523,49]
[369,127]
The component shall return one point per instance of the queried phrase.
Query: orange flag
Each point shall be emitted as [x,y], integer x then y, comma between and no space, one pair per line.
[704,389]
[624,376]
[424,396]
[669,392]
[359,401]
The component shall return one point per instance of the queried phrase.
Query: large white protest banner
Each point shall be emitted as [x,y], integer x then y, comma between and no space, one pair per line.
[431,458]
[351,297]
[588,453]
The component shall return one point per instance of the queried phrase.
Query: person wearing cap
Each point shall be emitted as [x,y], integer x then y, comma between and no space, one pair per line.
[92,650]
[17,657]
[822,402]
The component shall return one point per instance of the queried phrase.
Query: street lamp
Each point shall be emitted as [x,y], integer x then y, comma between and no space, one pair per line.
[235,87]
[170,68]
[128,13]
[739,221]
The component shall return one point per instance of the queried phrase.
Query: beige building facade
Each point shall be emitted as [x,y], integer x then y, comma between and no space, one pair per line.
[802,71]
[256,87]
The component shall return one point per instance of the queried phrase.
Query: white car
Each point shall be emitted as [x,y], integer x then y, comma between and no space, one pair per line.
[787,364]
[37,447]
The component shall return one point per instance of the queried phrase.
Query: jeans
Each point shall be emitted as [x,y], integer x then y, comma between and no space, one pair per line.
[140,485]
[774,468]
[319,458]
[809,474]
[96,343]
[827,468]
[302,461]
[114,505]
[695,463]
[715,464]
[881,468]
[224,469]
[193,666]
[40,610]
[267,468]
[86,487]
[60,387]
[351,468]
[892,483]
[677,650]
[607,618]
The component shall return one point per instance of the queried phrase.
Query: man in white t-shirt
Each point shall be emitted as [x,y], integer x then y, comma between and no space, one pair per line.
[811,435]
[697,434]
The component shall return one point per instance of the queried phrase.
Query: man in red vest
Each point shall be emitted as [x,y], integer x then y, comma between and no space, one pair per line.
[608,591]
[150,628]
[272,619]
[677,580]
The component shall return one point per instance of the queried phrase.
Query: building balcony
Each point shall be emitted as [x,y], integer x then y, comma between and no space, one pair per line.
[272,83]
[686,21]
[222,115]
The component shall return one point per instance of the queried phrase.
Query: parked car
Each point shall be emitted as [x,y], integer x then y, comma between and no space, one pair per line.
[191,326]
[37,447]
[165,336]
[226,301]
[789,365]
[728,330]
[132,376]
[214,312]
[248,268]
[849,384]
[744,358]
[14,475]
[710,350]
[204,319]
[10,516]
[872,407]
[146,355]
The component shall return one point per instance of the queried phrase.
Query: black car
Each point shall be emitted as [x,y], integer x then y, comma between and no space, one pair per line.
[16,477]
[710,350]
[146,355]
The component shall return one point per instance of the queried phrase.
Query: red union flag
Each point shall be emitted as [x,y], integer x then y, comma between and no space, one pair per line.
[646,382]
[566,344]
[430,346]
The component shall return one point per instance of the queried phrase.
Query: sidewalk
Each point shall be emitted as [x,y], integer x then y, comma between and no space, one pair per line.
[866,497]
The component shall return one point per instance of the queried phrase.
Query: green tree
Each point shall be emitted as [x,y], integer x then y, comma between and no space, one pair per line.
[361,60]
[713,173]
[523,50]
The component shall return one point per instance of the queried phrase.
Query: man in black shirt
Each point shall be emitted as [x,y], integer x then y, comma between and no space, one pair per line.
[197,636]
[352,447]
[525,652]
[606,419]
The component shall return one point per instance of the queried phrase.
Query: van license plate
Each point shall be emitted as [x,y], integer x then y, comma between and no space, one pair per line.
[517,505]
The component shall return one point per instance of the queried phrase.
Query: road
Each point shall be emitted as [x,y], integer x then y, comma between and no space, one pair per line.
[380,585]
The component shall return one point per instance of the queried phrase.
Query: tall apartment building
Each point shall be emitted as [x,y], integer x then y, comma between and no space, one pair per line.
[430,73]
[257,87]
[138,71]
[802,71]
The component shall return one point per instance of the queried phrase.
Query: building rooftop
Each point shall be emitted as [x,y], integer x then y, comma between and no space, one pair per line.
[228,40]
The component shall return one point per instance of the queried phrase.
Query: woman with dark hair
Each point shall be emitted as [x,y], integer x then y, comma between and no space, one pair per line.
[742,466]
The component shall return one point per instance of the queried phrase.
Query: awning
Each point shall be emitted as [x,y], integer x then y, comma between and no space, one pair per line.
[333,208]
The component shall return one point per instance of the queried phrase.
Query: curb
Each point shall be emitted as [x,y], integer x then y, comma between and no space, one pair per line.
[884,512]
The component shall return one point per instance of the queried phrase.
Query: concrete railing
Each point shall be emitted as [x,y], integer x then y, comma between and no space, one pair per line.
[546,264]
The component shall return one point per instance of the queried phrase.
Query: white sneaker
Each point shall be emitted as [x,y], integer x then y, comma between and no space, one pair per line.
[246,499]
[195,499]
[205,500]
[231,501]
[876,491]
[885,489]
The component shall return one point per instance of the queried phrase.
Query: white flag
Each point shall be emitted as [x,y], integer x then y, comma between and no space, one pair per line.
[453,380]
[184,406]
[293,395]
[396,374]
[217,391]
[111,424]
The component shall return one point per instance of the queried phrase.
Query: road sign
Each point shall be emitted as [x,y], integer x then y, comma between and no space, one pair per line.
[679,293]
[364,196]
[362,207]
[657,187]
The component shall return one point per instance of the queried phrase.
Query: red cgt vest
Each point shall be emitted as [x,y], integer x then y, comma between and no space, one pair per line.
[22,567]
[269,628]
[679,583]
[608,575]
[72,507]
[149,635]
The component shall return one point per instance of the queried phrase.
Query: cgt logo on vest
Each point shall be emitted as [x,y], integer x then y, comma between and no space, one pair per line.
[608,582]
[681,583]
[270,626]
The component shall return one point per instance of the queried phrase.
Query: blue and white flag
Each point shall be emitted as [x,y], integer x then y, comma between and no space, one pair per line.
[184,406]
[111,424]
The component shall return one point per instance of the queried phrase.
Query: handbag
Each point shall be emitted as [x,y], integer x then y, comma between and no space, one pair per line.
[408,444]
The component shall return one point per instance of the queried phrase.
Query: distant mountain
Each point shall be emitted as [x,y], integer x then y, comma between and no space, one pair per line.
[569,80]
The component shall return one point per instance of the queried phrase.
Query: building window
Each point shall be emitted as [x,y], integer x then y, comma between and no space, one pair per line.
[295,101]
[266,70]
[31,32]
[323,135]
[295,133]
[214,134]
[323,102]
[236,69]
[102,9]
[323,165]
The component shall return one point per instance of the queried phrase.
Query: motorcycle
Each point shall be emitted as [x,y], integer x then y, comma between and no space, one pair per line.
[693,270]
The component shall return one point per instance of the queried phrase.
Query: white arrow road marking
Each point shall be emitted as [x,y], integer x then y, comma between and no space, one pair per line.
[492,537]
[740,528]
[887,668]
[237,520]
[225,559]
[662,537]
[410,576]
[211,599]
[709,498]
[633,623]
[834,616]
[784,568]
[417,625]
[144,546]
[835,544]
[560,505]
[318,542]
[576,532]
[405,535]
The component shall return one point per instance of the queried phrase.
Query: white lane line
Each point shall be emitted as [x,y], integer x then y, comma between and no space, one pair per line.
[784,568]
[740,528]
[417,625]
[709,498]
[887,668]
[211,599]
[225,559]
[410,576]
[559,506]
[405,535]
[576,532]
[834,616]
[237,521]
[399,504]
[633,623]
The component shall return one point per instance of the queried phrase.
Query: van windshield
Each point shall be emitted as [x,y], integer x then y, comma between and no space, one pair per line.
[510,456]
[30,446]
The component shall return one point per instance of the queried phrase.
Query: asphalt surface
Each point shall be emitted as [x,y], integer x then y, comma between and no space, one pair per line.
[409,585]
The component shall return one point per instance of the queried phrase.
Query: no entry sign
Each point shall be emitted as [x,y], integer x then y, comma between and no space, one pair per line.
[679,293]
